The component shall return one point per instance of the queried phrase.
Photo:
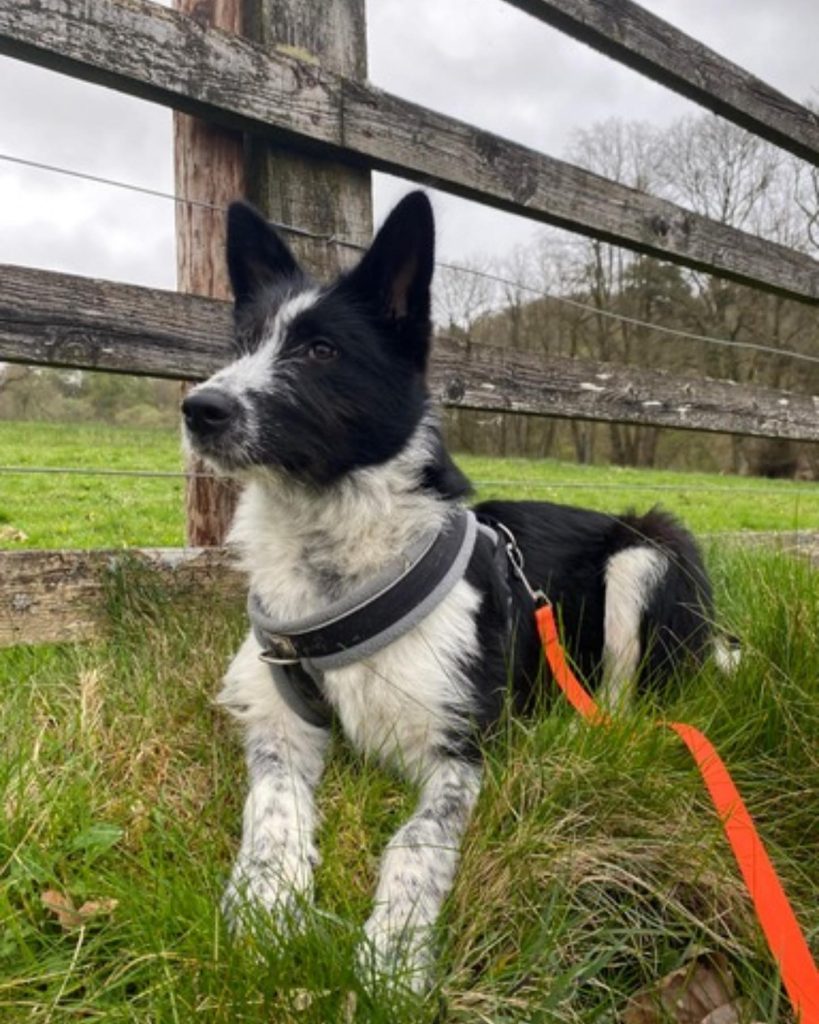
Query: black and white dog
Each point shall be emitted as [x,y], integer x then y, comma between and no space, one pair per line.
[325,416]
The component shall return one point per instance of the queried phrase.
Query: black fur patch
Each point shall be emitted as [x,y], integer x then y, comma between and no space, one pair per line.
[318,419]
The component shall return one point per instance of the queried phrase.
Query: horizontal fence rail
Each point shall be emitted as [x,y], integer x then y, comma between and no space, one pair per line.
[62,320]
[66,596]
[516,286]
[63,596]
[639,39]
[50,319]
[145,50]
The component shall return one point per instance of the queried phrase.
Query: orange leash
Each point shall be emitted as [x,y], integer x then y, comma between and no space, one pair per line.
[779,925]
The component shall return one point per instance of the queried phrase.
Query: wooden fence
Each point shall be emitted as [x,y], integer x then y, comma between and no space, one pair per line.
[290,93]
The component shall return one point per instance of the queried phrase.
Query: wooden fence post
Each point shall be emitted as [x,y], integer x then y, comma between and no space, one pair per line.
[209,168]
[214,166]
[291,187]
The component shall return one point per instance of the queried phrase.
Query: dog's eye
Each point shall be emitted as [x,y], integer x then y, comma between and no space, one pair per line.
[322,351]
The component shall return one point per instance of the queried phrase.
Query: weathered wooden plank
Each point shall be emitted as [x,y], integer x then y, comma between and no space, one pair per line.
[639,39]
[55,319]
[141,48]
[60,320]
[484,377]
[288,185]
[61,596]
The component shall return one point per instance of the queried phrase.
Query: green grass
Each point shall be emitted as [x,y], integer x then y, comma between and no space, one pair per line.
[708,502]
[55,511]
[594,865]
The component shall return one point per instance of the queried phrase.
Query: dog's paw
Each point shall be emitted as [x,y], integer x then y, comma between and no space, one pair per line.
[259,890]
[397,957]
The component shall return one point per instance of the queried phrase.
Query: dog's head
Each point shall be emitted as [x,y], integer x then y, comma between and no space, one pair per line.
[326,379]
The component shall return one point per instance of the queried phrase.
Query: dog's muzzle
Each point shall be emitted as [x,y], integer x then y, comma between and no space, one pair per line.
[209,413]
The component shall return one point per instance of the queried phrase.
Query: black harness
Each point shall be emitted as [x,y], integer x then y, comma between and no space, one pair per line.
[364,622]
[386,608]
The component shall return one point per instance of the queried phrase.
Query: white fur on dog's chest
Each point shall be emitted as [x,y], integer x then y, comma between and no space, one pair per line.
[400,704]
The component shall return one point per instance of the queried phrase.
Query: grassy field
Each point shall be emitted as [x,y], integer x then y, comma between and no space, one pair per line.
[594,866]
[54,511]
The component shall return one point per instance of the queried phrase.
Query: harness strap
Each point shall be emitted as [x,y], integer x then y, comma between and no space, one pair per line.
[302,693]
[365,622]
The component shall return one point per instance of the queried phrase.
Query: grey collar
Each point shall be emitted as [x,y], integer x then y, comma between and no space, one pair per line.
[365,621]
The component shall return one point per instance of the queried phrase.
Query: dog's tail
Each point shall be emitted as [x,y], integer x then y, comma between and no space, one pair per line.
[658,605]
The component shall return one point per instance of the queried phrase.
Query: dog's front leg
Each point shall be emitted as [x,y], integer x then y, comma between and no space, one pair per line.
[285,758]
[417,873]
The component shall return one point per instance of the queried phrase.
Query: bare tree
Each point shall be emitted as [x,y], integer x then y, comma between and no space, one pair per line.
[570,297]
[463,294]
[627,152]
[725,173]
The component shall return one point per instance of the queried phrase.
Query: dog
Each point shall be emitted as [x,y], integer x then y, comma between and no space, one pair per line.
[326,417]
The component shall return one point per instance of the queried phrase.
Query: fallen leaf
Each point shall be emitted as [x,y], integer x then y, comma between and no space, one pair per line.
[727,1014]
[63,907]
[69,916]
[9,532]
[701,992]
[96,908]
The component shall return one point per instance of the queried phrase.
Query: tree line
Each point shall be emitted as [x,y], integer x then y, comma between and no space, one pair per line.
[711,167]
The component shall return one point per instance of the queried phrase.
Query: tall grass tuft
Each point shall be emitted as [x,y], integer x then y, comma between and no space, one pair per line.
[594,865]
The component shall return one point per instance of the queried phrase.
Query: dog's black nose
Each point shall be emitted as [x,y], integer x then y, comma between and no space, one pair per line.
[209,412]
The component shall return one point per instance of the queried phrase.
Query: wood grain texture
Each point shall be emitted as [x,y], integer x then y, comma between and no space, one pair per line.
[327,197]
[62,596]
[54,319]
[141,48]
[483,377]
[639,39]
[209,168]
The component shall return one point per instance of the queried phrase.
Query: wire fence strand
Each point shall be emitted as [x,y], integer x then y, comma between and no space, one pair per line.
[156,193]
[102,471]
[610,314]
[791,489]
[292,229]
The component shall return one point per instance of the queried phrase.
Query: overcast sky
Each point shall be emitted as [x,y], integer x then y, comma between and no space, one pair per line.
[479,60]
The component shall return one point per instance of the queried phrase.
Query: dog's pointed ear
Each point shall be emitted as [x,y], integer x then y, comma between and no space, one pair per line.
[395,273]
[256,256]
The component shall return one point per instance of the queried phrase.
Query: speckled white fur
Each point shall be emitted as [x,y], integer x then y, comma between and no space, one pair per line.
[289,537]
[417,871]
[285,757]
[396,705]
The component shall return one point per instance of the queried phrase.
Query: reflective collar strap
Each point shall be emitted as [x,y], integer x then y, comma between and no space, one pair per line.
[368,622]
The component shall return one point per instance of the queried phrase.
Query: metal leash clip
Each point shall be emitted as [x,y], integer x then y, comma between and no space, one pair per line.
[515,556]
